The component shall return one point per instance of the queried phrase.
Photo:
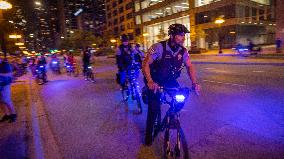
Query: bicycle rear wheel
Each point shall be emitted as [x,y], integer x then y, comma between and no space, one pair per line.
[125,93]
[91,76]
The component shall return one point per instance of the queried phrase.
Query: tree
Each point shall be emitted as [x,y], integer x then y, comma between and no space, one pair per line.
[80,39]
[162,35]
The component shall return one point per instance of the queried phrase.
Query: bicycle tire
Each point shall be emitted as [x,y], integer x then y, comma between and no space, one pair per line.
[139,104]
[171,150]
[166,144]
[184,152]
[125,93]
[91,76]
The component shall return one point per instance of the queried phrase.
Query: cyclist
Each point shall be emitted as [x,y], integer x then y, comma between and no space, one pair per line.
[70,59]
[86,60]
[126,57]
[41,61]
[161,67]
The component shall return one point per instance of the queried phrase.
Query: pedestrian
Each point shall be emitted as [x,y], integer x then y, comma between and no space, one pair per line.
[86,59]
[278,45]
[5,92]
[161,67]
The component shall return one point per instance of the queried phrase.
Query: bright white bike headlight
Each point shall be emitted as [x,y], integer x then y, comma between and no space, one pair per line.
[180,98]
[41,66]
[89,66]
[54,62]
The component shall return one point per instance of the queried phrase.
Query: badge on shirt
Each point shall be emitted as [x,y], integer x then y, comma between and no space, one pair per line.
[179,56]
[151,51]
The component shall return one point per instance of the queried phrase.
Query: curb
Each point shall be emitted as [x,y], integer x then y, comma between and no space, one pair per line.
[43,143]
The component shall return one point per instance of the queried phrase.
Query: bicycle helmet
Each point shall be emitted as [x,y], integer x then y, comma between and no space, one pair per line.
[124,38]
[175,29]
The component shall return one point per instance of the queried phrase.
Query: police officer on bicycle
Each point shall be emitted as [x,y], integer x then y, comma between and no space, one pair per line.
[161,67]
[126,57]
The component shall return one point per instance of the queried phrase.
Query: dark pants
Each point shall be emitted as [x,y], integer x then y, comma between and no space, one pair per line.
[85,67]
[154,110]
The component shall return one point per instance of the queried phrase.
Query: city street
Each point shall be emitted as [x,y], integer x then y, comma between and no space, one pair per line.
[239,114]
[236,47]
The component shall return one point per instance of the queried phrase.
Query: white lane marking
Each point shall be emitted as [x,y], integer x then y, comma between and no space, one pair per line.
[227,83]
[221,71]
[258,71]
[216,70]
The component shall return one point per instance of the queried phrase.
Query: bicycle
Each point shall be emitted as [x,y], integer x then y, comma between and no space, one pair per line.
[132,88]
[90,74]
[41,77]
[72,69]
[175,98]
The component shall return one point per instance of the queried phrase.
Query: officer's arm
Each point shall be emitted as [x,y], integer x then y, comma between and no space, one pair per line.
[146,67]
[9,72]
[119,61]
[6,74]
[190,71]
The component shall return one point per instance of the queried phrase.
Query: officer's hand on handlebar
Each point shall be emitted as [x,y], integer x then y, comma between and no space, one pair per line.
[153,86]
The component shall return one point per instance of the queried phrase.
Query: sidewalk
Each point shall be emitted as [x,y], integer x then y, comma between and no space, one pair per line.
[230,57]
[30,136]
[14,136]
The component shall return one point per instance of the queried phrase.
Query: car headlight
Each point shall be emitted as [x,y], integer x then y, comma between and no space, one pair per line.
[180,98]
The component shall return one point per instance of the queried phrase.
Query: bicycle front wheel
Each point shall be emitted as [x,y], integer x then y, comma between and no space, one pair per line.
[175,145]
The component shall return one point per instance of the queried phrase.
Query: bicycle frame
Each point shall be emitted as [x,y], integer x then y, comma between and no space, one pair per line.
[131,80]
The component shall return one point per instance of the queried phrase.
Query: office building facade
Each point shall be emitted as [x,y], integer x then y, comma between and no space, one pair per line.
[119,15]
[243,20]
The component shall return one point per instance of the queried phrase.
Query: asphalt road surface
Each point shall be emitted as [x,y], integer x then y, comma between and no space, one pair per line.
[239,114]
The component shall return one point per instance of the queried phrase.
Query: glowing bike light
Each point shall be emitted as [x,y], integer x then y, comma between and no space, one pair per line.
[180,98]
[41,66]
[89,66]
[68,66]
[54,62]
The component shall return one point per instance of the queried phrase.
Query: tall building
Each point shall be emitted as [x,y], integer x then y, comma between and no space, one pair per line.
[154,17]
[45,20]
[243,20]
[88,15]
[120,18]
[36,20]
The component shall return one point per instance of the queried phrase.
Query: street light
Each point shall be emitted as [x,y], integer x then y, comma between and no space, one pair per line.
[15,36]
[112,40]
[19,44]
[37,3]
[4,5]
[219,21]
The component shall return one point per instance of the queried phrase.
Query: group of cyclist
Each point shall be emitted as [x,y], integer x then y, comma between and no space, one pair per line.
[38,64]
[161,68]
